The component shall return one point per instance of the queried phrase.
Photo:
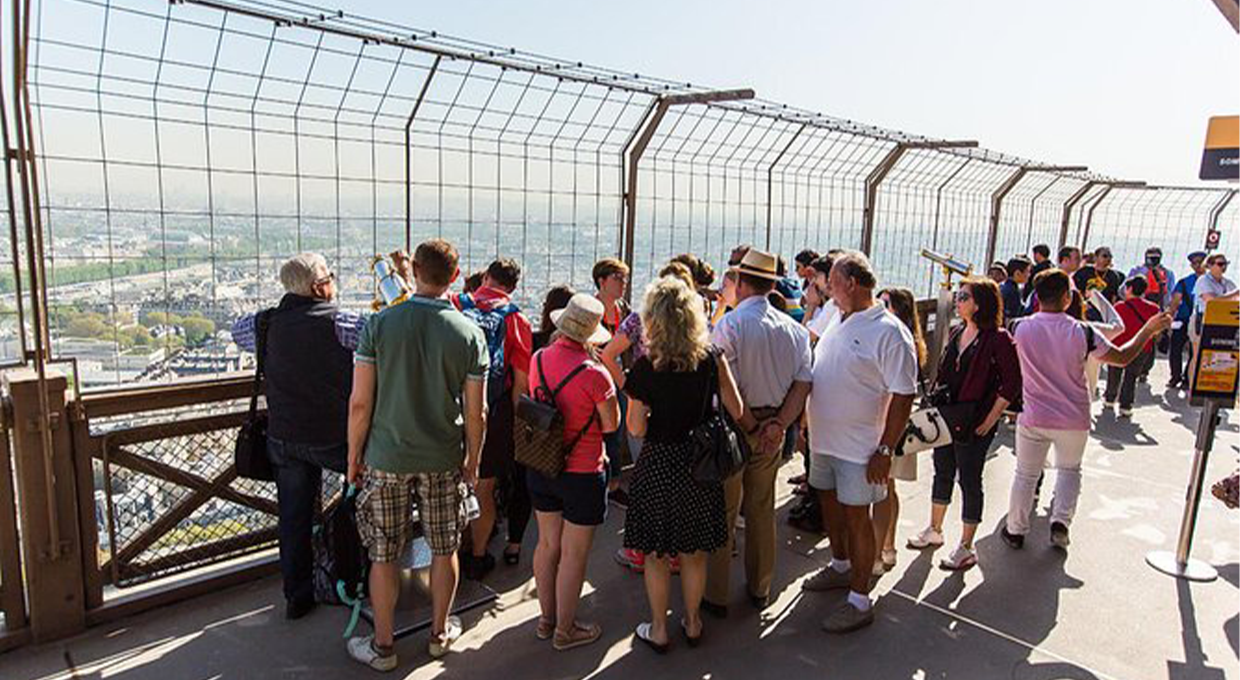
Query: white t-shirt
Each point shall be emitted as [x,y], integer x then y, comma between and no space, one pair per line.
[860,361]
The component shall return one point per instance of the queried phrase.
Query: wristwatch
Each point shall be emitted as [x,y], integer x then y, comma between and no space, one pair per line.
[884,450]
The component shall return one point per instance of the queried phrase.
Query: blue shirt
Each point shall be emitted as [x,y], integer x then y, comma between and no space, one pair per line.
[1185,288]
[348,328]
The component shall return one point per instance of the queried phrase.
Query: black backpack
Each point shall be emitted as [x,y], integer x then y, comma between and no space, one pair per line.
[341,564]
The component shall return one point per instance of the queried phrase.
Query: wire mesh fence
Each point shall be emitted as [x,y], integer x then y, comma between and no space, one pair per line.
[186,149]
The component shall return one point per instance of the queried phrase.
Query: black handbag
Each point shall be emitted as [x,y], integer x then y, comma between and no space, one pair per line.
[717,450]
[250,453]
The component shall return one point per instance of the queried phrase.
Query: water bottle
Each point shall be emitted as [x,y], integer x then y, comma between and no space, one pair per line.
[472,510]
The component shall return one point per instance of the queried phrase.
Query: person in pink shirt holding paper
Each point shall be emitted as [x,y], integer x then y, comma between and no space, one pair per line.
[1053,348]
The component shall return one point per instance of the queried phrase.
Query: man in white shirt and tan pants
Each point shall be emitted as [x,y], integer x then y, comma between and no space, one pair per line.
[769,355]
[865,380]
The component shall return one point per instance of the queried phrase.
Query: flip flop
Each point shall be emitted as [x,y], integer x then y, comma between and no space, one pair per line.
[643,634]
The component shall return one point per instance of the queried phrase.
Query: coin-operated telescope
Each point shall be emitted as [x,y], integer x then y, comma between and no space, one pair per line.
[391,288]
[949,264]
[944,306]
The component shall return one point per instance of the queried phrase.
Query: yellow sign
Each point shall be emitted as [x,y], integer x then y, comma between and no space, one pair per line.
[1218,368]
[1225,313]
[1221,157]
[1218,371]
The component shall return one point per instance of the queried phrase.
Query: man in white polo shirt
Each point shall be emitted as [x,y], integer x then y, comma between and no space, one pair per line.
[865,379]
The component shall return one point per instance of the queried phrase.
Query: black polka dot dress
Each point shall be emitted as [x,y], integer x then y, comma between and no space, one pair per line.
[670,512]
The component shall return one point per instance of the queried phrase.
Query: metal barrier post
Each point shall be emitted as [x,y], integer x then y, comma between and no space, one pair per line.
[54,573]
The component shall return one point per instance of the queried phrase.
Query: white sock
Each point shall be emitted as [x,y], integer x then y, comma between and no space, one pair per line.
[840,565]
[861,602]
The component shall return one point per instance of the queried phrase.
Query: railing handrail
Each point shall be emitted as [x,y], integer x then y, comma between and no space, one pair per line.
[140,399]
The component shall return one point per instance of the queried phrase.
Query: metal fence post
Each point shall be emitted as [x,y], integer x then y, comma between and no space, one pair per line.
[54,574]
[996,206]
[1089,214]
[12,599]
[1068,205]
[1217,211]
[409,154]
[880,172]
[875,178]
[770,172]
[639,142]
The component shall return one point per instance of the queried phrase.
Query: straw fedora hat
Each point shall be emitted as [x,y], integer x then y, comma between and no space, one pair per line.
[580,320]
[758,263]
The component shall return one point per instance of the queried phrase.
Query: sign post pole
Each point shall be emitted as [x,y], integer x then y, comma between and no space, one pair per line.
[1178,563]
[1217,372]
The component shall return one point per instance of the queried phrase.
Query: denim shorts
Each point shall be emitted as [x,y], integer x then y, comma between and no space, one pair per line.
[580,497]
[846,478]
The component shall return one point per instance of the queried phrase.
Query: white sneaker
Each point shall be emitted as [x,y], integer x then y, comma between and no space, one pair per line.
[440,645]
[961,558]
[928,538]
[362,649]
[1108,404]
[1125,413]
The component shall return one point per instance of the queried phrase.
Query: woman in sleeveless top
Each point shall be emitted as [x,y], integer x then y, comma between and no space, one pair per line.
[672,514]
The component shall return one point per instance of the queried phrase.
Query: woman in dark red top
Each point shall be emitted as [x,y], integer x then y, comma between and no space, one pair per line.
[979,367]
[1135,310]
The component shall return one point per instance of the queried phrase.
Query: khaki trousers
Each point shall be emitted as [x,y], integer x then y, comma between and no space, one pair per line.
[751,492]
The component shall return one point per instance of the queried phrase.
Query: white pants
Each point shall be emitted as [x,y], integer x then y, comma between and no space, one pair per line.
[1032,446]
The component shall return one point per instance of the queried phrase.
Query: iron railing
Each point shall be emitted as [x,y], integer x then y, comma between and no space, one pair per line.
[187,148]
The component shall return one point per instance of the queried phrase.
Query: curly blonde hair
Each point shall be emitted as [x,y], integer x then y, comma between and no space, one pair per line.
[674,325]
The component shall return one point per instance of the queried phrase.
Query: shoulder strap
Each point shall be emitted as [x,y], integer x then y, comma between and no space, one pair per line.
[262,322]
[571,374]
[712,355]
[1133,308]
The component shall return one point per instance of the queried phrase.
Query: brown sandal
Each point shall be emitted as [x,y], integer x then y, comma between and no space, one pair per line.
[582,634]
[545,629]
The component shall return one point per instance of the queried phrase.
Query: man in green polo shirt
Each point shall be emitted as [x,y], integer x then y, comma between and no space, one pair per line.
[416,424]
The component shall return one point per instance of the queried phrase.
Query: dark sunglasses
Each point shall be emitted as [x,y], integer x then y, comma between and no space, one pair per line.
[963,296]
[331,276]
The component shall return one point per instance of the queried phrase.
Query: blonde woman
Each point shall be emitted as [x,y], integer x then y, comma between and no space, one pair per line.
[671,514]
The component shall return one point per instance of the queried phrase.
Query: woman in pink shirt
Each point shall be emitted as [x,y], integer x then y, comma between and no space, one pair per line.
[569,507]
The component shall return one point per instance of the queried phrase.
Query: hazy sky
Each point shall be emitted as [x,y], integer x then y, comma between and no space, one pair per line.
[1123,86]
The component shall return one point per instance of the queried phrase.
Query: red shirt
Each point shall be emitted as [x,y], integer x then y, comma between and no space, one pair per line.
[577,401]
[518,335]
[1134,312]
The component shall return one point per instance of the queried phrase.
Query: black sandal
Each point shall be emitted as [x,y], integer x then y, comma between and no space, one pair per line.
[691,640]
[512,558]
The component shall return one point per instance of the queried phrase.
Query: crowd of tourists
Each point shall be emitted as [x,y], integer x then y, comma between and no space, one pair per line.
[419,404]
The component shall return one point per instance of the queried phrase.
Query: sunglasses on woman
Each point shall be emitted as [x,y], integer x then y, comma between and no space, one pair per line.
[963,296]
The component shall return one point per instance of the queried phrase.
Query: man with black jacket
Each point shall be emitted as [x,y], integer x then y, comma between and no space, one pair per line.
[307,344]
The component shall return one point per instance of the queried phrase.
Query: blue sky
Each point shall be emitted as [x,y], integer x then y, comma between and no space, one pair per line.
[1124,87]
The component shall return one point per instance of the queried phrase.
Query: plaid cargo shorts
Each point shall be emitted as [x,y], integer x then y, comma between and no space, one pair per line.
[385,505]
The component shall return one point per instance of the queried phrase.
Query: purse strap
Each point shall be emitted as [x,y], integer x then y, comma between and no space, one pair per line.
[713,389]
[262,322]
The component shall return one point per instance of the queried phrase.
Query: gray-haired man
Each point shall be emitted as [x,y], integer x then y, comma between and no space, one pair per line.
[308,364]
